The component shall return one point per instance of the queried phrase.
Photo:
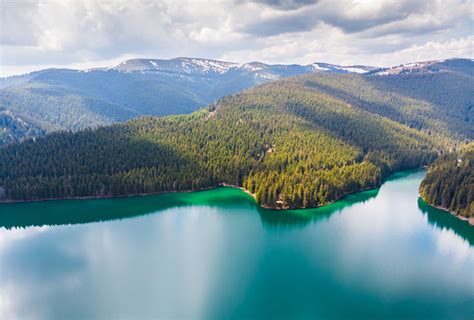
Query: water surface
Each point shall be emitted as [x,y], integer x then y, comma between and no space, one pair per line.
[214,254]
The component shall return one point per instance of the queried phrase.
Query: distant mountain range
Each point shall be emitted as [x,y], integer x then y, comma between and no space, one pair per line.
[465,66]
[64,99]
[206,67]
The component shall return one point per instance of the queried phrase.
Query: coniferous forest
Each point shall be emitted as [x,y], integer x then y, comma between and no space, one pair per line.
[295,143]
[449,183]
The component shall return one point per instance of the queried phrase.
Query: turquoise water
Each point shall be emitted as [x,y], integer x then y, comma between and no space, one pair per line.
[214,254]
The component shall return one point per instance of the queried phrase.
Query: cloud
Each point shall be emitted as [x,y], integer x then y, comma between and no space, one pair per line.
[286,4]
[382,17]
[15,18]
[281,25]
[81,32]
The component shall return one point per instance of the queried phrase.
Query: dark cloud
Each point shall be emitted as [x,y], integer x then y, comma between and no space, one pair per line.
[286,4]
[281,25]
[352,18]
[349,17]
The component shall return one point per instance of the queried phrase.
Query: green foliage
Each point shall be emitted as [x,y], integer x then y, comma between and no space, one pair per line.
[449,182]
[439,104]
[288,144]
[60,99]
[438,101]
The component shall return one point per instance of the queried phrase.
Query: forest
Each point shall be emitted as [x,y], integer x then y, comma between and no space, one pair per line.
[289,144]
[438,101]
[449,182]
[66,99]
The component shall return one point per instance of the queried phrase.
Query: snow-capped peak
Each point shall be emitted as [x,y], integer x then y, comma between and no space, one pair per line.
[206,67]
[317,66]
[413,67]
[191,65]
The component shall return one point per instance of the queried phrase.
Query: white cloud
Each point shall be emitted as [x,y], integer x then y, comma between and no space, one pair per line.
[91,32]
[462,47]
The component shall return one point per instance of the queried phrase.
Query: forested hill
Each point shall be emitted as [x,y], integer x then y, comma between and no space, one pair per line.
[433,94]
[65,99]
[290,142]
[449,183]
[440,104]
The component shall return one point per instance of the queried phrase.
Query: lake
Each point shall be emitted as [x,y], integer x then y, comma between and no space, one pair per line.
[214,254]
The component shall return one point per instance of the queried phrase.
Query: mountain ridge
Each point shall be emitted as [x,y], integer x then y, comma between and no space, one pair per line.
[298,142]
[67,99]
[291,145]
[204,66]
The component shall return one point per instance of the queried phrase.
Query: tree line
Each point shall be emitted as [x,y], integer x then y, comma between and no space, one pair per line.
[449,182]
[290,145]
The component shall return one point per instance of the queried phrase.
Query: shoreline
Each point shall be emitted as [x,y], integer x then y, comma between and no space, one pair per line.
[253,195]
[460,217]
[220,184]
[132,195]
[6,202]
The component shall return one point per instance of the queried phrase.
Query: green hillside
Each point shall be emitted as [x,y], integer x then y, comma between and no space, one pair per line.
[288,142]
[66,99]
[437,99]
[449,182]
[439,104]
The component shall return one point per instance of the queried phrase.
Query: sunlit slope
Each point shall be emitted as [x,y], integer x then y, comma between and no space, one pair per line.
[288,143]
[439,104]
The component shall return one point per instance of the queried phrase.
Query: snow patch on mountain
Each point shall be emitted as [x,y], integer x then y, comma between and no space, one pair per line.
[207,67]
[191,65]
[413,67]
[316,66]
[353,69]
[252,67]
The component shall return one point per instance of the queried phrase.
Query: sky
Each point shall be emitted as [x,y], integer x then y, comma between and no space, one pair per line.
[93,33]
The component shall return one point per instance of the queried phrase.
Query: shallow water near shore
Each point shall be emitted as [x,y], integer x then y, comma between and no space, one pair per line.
[381,253]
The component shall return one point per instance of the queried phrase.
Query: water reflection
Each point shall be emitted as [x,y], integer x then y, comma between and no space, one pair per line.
[371,255]
[443,220]
[288,219]
[70,212]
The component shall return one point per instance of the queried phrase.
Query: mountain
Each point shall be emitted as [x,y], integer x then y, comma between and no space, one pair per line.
[434,66]
[14,128]
[449,183]
[64,99]
[298,142]
[207,67]
[318,66]
[440,104]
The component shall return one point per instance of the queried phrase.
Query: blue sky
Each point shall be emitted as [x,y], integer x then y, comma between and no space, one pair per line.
[88,33]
